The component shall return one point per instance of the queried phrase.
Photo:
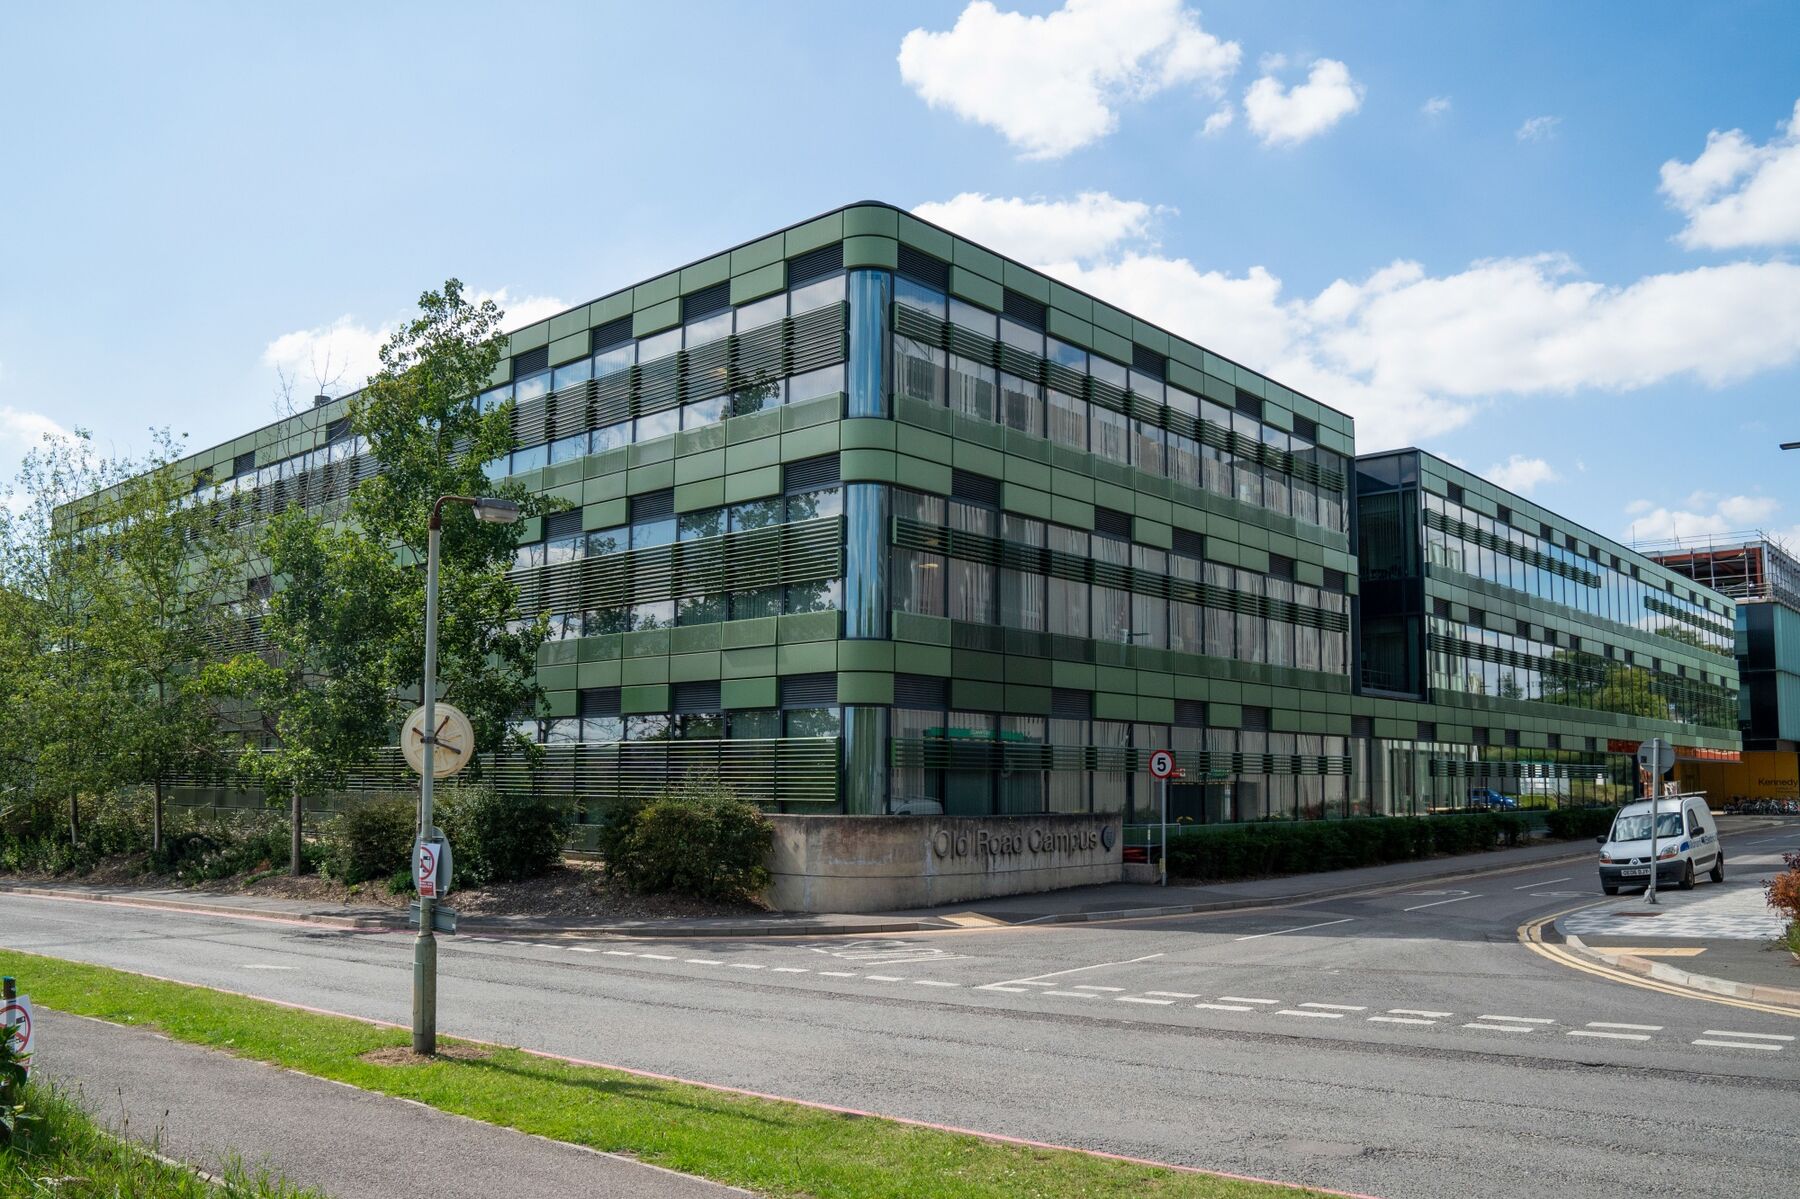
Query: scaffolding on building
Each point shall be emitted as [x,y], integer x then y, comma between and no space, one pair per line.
[1752,566]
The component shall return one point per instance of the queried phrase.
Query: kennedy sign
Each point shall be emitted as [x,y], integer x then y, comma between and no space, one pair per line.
[1009,844]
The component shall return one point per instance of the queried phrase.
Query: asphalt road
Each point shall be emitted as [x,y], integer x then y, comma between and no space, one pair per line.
[1402,1044]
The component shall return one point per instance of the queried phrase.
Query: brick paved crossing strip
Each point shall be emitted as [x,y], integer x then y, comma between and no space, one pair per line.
[208,1106]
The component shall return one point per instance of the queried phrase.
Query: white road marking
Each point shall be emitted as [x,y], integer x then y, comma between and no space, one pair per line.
[1071,994]
[1336,1007]
[1738,1044]
[264,966]
[884,978]
[657,957]
[932,982]
[1751,1036]
[1398,1020]
[1517,1019]
[1413,1011]
[1092,987]
[1135,999]
[1297,929]
[1438,903]
[1502,1027]
[1010,990]
[620,953]
[581,949]
[789,970]
[837,974]
[1036,980]
[745,966]
[1173,994]
[1632,1027]
[1288,1011]
[703,961]
[1545,883]
[1611,1036]
[1247,999]
[1226,1007]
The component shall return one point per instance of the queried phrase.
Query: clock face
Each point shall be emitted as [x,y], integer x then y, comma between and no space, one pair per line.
[454,741]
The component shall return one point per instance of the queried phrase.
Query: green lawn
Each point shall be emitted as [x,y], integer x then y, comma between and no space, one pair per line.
[765,1145]
[61,1151]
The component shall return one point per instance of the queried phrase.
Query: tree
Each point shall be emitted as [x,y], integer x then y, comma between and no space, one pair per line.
[174,595]
[431,438]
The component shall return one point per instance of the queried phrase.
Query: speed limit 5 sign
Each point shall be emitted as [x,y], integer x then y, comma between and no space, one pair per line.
[1162,764]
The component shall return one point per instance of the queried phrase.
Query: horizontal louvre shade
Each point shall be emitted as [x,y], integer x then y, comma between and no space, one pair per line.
[981,753]
[1511,549]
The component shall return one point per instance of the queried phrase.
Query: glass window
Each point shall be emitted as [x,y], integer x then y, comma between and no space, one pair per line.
[1108,429]
[609,438]
[607,541]
[812,722]
[567,449]
[918,582]
[703,609]
[531,554]
[658,424]
[758,313]
[531,458]
[648,728]
[1022,405]
[611,362]
[812,505]
[761,392]
[755,604]
[756,514]
[701,413]
[759,724]
[1067,418]
[1108,371]
[490,399]
[531,386]
[972,591]
[976,320]
[816,295]
[824,595]
[694,525]
[813,384]
[1064,354]
[912,294]
[599,622]
[562,732]
[653,532]
[707,329]
[565,549]
[659,345]
[571,373]
[972,387]
[602,728]
[659,614]
[1021,337]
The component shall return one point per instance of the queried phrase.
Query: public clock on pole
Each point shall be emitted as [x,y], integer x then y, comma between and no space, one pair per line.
[454,740]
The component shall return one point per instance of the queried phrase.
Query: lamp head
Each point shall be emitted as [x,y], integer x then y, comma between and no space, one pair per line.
[496,511]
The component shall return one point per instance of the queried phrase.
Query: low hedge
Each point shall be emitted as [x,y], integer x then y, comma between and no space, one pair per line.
[1306,847]
[1572,824]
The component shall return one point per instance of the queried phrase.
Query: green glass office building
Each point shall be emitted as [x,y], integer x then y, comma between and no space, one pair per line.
[872,520]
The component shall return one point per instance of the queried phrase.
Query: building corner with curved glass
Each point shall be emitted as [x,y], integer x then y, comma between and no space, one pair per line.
[869,519]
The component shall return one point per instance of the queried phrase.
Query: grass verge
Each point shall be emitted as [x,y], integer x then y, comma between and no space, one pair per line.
[61,1151]
[768,1146]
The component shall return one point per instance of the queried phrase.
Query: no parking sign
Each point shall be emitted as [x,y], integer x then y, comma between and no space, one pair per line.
[15,1018]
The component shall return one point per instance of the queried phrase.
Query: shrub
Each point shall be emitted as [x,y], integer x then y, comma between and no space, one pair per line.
[1571,824]
[499,839]
[1305,847]
[1783,894]
[696,839]
[373,838]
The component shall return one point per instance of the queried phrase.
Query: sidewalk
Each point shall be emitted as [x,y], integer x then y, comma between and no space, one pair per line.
[207,1109]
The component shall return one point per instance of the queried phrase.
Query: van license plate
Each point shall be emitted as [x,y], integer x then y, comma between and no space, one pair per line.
[1642,870]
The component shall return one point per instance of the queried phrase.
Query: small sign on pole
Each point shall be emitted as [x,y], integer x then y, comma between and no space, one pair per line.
[432,867]
[1162,769]
[15,1018]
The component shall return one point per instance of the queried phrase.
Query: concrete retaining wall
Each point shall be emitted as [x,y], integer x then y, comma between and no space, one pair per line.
[885,863]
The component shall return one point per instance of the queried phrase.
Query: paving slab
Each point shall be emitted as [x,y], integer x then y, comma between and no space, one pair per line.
[210,1109]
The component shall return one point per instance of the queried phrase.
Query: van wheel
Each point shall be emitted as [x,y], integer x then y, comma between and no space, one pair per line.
[1718,870]
[1609,888]
[1687,877]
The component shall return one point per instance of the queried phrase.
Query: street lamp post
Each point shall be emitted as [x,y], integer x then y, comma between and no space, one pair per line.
[495,511]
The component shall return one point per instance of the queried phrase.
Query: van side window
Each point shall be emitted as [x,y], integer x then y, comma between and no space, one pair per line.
[1693,823]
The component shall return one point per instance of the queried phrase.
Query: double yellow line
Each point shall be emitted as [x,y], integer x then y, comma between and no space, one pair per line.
[1531,936]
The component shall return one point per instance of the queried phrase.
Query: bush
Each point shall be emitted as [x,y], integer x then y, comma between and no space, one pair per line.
[696,839]
[1572,824]
[373,839]
[499,839]
[1783,894]
[1306,847]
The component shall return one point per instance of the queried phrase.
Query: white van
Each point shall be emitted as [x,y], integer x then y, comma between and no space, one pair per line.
[1687,842]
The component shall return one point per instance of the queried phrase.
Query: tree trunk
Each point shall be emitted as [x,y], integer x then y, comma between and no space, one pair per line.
[156,810]
[74,821]
[294,808]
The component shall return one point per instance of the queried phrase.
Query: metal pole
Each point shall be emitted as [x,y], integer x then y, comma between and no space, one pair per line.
[1655,787]
[424,1030]
[1165,832]
[9,988]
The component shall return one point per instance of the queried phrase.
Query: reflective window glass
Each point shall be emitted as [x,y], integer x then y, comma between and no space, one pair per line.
[816,295]
[569,374]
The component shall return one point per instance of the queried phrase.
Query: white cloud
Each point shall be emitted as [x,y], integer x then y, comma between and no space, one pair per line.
[1702,514]
[339,357]
[1521,474]
[1737,193]
[1412,354]
[1538,129]
[1052,84]
[1283,116]
[1219,121]
[1437,106]
[1041,230]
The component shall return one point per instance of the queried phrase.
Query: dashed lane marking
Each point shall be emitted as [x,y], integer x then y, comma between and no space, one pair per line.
[1300,928]
[1518,1019]
[703,961]
[1092,987]
[1413,1011]
[1226,1007]
[932,982]
[1501,1027]
[1138,999]
[1336,1007]
[789,970]
[1610,1036]
[619,953]
[1628,1027]
[746,966]
[1009,990]
[1247,999]
[1737,1044]
[1544,883]
[884,978]
[658,957]
[1399,1020]
[1754,1036]
[1071,994]
[1417,907]
[837,974]
[1288,1011]
[1173,994]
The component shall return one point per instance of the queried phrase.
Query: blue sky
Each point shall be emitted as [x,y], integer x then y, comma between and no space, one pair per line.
[1525,236]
